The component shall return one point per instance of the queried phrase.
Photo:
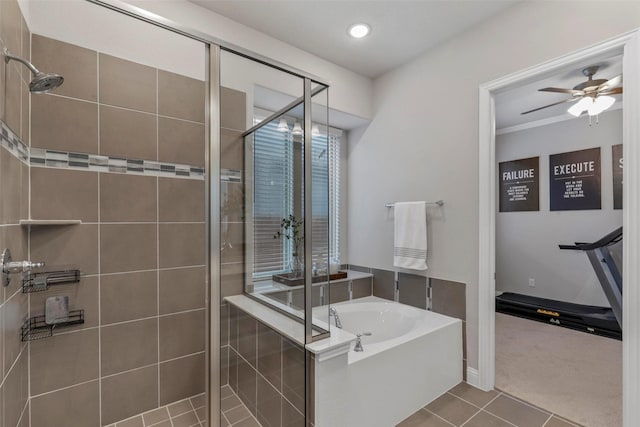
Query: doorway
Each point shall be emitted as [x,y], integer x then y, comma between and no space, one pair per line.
[629,46]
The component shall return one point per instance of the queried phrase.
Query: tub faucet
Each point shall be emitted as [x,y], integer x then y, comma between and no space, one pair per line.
[358,346]
[333,312]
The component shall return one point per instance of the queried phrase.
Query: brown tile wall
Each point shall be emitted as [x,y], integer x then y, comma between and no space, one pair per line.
[14,196]
[449,298]
[266,370]
[233,114]
[140,247]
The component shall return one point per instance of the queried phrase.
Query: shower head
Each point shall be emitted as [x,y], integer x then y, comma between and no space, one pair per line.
[41,82]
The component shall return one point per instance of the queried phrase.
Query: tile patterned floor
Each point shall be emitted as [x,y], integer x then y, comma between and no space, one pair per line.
[234,413]
[462,406]
[466,406]
[185,413]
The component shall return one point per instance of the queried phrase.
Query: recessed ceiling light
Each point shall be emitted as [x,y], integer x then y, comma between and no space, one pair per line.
[358,31]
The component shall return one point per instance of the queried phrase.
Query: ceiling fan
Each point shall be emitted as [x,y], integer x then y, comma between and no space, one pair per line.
[592,95]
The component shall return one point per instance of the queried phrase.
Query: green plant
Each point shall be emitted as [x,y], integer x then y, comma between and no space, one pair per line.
[291,230]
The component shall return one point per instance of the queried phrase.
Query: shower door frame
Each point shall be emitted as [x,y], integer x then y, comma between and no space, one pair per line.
[212,188]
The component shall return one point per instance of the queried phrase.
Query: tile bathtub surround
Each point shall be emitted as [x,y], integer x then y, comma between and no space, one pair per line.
[266,374]
[412,290]
[140,246]
[449,298]
[384,284]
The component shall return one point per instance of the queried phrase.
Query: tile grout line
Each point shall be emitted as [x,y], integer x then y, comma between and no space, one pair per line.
[127,108]
[99,253]
[269,382]
[64,388]
[128,321]
[115,374]
[158,251]
[248,411]
[438,416]
[29,236]
[544,411]
[548,419]
[158,227]
[194,411]
[143,271]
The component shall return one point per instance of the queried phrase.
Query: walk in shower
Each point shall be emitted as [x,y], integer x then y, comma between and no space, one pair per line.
[103,179]
[153,184]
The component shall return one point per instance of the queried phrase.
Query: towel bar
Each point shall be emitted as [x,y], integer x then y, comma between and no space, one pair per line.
[439,203]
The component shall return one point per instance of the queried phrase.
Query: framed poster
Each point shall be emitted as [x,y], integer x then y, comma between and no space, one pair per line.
[616,152]
[574,180]
[520,185]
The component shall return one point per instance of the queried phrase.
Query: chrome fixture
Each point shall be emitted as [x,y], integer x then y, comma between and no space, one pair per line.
[42,82]
[9,266]
[438,202]
[283,126]
[297,129]
[358,346]
[333,312]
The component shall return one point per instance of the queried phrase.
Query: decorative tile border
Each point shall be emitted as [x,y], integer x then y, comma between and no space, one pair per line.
[97,163]
[41,157]
[230,175]
[12,143]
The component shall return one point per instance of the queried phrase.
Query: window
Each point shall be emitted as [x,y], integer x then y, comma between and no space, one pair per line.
[274,187]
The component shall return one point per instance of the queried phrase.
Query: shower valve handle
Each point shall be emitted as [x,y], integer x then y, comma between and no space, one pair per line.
[21,266]
[9,266]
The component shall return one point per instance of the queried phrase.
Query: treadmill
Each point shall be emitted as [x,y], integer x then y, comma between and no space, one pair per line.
[602,321]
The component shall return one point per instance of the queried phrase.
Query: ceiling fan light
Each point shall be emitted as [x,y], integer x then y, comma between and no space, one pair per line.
[297,129]
[601,103]
[283,126]
[580,106]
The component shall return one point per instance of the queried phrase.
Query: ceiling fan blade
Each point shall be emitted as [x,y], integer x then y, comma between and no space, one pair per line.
[560,90]
[611,83]
[551,105]
[613,91]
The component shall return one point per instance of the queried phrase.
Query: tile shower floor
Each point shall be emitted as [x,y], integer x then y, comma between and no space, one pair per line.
[234,413]
[184,413]
[466,406]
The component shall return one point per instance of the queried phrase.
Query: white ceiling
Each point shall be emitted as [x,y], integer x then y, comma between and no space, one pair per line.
[401,30]
[511,103]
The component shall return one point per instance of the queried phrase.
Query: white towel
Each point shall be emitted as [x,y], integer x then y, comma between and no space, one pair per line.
[410,242]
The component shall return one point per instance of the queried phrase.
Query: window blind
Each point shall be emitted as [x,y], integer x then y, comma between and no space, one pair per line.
[273,197]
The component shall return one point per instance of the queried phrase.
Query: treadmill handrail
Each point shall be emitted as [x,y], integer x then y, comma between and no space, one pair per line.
[610,238]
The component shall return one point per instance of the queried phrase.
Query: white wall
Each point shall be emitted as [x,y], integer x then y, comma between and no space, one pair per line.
[422,141]
[527,242]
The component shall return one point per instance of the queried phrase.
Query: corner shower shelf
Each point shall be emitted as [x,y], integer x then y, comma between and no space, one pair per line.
[36,328]
[50,221]
[36,282]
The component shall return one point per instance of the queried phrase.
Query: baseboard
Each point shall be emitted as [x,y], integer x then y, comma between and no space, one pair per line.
[473,378]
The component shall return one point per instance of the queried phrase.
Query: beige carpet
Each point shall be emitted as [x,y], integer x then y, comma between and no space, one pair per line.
[573,374]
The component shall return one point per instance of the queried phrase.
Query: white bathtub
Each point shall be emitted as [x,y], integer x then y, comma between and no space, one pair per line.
[390,323]
[412,357]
